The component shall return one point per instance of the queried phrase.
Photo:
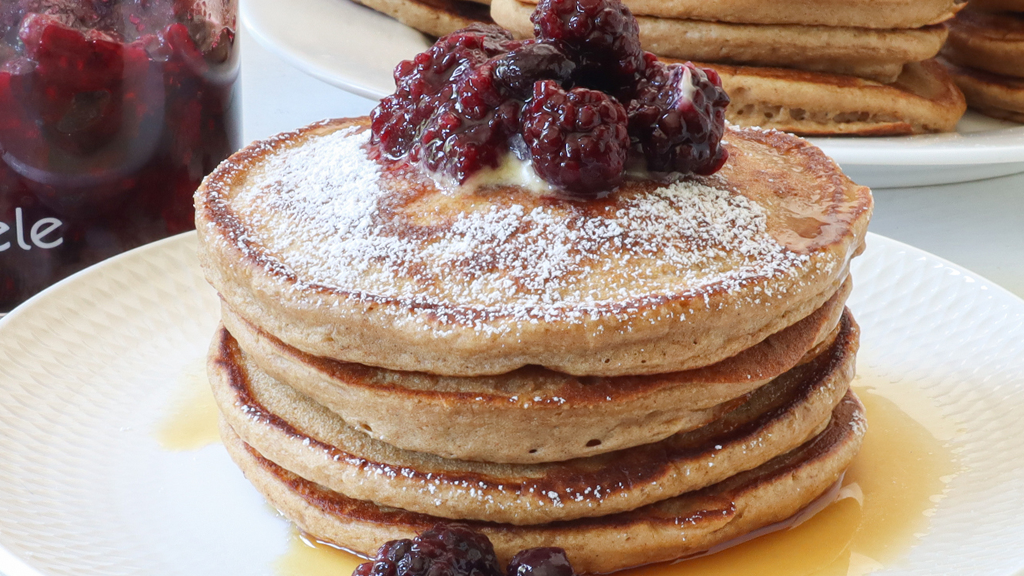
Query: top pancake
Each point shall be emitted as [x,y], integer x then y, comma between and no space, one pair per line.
[308,239]
[855,13]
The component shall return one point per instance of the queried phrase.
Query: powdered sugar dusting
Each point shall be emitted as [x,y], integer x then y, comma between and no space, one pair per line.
[318,211]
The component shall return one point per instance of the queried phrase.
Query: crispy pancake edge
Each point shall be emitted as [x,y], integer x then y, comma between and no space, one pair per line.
[302,436]
[668,530]
[540,416]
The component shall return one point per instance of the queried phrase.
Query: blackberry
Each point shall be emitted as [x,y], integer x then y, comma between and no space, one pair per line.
[515,72]
[540,562]
[578,139]
[458,140]
[601,36]
[677,118]
[489,39]
[444,550]
[423,84]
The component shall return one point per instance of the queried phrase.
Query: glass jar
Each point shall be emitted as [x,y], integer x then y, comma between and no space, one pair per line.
[111,113]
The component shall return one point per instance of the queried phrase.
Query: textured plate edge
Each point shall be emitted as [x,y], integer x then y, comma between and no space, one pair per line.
[97,268]
[982,281]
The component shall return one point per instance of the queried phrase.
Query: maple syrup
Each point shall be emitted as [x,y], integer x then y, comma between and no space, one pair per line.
[882,507]
[191,422]
[308,557]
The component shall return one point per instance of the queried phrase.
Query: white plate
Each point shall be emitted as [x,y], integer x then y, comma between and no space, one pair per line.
[356,48]
[88,367]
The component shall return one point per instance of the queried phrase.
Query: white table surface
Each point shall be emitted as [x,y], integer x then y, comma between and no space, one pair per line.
[978,225]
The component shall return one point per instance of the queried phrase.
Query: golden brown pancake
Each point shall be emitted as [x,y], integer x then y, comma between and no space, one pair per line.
[308,239]
[302,436]
[991,94]
[877,54]
[989,42]
[670,529]
[924,99]
[533,414]
[887,14]
[434,17]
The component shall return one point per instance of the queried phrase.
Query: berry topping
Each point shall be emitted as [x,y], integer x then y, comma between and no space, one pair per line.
[677,117]
[461,139]
[601,35]
[578,100]
[444,550]
[540,562]
[516,72]
[457,550]
[577,139]
[424,83]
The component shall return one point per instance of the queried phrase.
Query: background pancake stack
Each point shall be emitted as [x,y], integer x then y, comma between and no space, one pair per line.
[434,17]
[813,68]
[985,55]
[367,397]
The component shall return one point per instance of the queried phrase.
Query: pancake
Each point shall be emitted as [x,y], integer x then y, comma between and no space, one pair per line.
[434,17]
[305,237]
[869,53]
[670,529]
[990,42]
[888,14]
[313,442]
[533,414]
[991,94]
[924,99]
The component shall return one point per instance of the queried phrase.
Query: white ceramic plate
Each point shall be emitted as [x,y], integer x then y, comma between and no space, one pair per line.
[88,367]
[355,48]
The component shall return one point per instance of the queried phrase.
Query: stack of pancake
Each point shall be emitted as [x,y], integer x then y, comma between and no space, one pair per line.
[813,68]
[635,378]
[434,17]
[985,55]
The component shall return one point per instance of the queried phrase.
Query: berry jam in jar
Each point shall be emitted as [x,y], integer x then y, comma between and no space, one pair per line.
[111,113]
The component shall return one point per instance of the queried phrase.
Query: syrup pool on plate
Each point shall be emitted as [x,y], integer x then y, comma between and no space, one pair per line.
[191,419]
[883,507]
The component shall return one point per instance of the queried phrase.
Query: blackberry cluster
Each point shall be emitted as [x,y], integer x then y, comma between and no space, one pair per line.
[427,82]
[602,36]
[457,550]
[540,562]
[677,117]
[578,101]
[577,139]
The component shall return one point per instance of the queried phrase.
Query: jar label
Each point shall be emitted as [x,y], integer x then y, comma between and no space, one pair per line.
[42,233]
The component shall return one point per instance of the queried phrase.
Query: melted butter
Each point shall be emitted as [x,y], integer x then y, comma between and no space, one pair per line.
[881,510]
[512,171]
[191,420]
